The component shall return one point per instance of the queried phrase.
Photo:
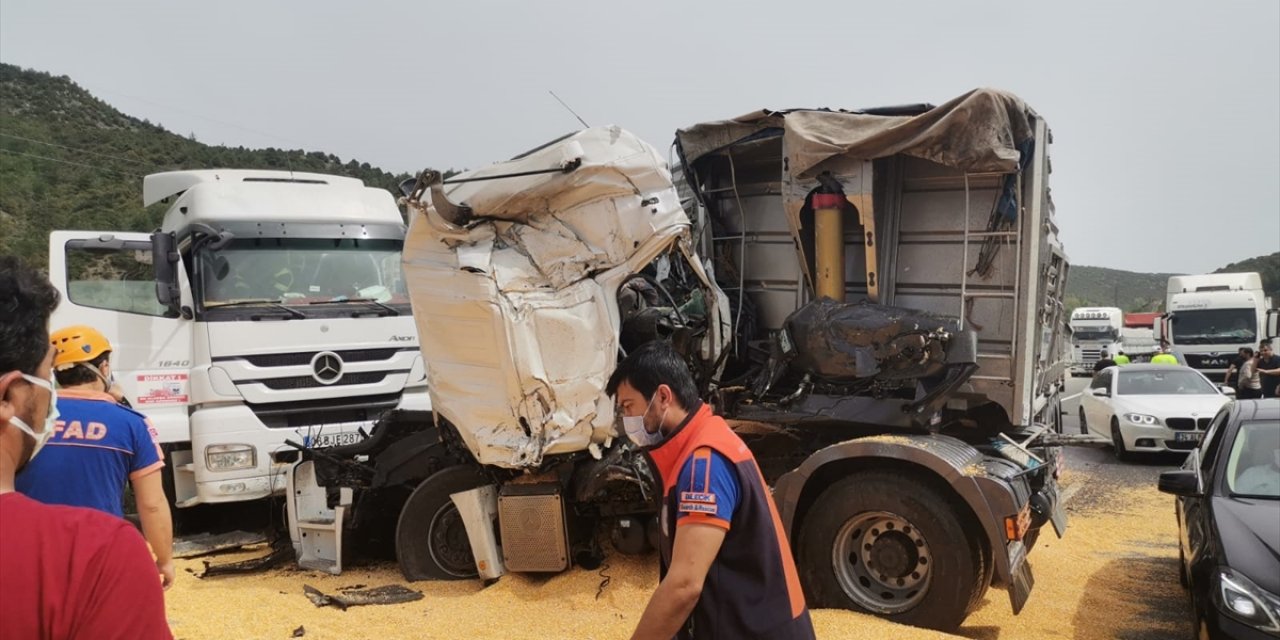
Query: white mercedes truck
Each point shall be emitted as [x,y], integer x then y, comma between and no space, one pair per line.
[1209,317]
[270,305]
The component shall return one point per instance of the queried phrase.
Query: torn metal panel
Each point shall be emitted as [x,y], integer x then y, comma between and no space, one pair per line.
[279,553]
[389,594]
[514,292]
[208,543]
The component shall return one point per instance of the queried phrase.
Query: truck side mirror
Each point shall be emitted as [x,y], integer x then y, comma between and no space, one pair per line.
[1157,328]
[164,258]
[1180,482]
[1273,324]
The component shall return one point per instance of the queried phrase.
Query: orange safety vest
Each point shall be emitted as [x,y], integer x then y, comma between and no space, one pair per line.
[752,589]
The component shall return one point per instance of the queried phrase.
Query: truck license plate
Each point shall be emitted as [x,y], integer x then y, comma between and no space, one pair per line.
[1187,436]
[334,440]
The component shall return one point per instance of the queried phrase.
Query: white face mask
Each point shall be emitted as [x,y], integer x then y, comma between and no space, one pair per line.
[634,427]
[49,421]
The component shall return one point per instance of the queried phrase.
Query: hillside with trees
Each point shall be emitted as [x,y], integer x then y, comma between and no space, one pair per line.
[71,161]
[1266,266]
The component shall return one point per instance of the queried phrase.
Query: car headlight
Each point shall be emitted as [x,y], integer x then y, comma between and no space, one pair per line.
[1141,418]
[226,457]
[1238,597]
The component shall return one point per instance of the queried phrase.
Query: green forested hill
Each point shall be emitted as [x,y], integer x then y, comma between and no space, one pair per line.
[1102,287]
[1266,266]
[70,161]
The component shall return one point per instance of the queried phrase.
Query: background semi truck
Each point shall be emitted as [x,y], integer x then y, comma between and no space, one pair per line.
[1209,317]
[1098,329]
[268,306]
[878,313]
[1094,330]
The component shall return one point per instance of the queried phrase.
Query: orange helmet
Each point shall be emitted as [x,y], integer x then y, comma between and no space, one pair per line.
[77,344]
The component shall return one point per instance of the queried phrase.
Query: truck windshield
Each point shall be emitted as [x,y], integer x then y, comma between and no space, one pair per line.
[301,271]
[1215,326]
[1163,383]
[1102,334]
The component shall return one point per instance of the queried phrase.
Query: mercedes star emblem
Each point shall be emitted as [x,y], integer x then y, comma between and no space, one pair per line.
[326,367]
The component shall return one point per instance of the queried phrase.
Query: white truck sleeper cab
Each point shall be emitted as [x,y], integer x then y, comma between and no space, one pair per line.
[270,305]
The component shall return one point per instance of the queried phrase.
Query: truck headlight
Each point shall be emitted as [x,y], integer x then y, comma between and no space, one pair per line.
[1141,418]
[226,457]
[1238,597]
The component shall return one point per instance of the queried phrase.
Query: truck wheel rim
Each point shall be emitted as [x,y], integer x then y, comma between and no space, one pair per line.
[882,562]
[447,542]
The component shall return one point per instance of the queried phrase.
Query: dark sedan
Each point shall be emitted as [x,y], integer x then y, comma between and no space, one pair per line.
[1228,509]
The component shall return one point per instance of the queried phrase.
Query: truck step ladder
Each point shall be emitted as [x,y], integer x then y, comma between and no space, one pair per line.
[315,528]
[970,295]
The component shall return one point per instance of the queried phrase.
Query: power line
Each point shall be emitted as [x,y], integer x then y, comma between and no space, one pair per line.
[68,162]
[85,151]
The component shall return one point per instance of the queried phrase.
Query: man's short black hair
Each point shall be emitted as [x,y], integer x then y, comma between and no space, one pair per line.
[1246,351]
[652,364]
[27,299]
[82,374]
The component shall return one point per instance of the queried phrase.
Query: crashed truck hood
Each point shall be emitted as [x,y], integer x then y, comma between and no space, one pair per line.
[516,310]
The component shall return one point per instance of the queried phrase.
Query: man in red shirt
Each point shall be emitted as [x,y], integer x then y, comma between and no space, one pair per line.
[68,572]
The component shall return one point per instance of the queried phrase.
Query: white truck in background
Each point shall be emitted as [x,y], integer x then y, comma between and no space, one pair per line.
[1137,343]
[270,305]
[1094,330]
[1209,317]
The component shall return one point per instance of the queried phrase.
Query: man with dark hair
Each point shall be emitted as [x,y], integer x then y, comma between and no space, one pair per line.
[726,566]
[1103,362]
[98,446]
[1268,364]
[68,572]
[1233,372]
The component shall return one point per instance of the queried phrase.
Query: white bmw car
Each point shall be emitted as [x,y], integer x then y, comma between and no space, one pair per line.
[1150,407]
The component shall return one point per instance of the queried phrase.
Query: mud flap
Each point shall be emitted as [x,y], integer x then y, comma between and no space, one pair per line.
[1059,515]
[1022,582]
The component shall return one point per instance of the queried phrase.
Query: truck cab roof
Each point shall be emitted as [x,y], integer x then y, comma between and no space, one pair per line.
[219,197]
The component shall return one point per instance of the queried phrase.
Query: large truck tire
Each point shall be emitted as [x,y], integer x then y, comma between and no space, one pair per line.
[431,539]
[887,544]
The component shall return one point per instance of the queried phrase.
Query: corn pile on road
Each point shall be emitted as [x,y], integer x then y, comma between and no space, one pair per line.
[1113,576]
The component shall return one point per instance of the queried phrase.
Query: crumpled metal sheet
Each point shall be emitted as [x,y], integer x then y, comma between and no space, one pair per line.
[516,311]
[206,543]
[388,594]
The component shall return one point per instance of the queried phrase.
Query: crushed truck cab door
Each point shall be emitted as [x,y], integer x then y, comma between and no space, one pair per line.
[107,281]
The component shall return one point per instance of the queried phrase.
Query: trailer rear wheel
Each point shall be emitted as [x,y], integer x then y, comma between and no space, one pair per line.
[431,539]
[892,546]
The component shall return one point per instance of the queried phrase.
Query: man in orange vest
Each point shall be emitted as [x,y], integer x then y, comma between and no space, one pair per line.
[726,566]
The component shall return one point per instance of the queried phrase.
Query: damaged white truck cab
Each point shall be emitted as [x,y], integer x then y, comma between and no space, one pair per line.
[270,305]
[878,314]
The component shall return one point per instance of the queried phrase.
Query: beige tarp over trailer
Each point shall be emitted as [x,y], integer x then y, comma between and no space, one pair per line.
[979,131]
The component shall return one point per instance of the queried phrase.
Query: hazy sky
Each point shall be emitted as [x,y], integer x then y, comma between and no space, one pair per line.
[1165,115]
